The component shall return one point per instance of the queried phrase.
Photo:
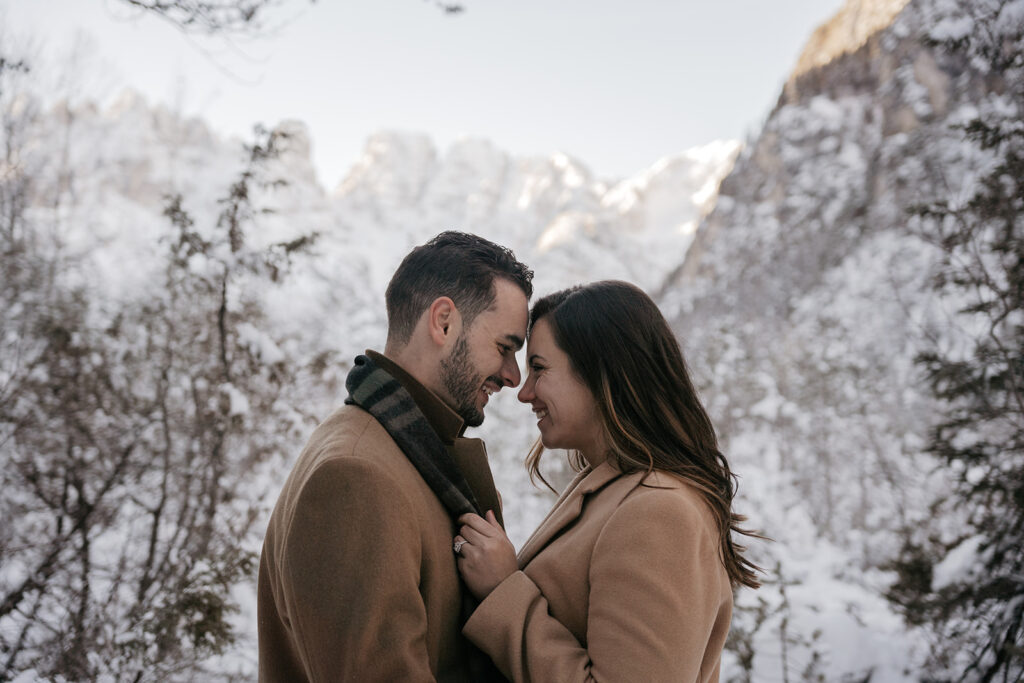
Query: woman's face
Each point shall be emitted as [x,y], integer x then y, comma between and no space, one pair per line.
[567,414]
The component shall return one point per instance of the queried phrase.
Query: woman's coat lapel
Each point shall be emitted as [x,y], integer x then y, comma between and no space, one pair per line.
[567,508]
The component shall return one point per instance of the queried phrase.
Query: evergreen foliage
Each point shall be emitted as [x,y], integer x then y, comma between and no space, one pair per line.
[969,591]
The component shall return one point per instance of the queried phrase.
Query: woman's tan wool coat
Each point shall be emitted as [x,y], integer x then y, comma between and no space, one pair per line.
[621,582]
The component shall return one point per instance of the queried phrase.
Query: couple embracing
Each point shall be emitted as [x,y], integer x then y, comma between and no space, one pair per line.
[385,558]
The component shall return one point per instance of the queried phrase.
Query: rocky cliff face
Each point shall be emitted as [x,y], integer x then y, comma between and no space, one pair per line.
[851,27]
[805,298]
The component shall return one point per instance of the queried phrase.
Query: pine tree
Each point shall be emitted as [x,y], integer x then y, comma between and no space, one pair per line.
[969,593]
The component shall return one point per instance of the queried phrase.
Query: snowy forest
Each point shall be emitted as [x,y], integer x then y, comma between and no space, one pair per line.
[179,310]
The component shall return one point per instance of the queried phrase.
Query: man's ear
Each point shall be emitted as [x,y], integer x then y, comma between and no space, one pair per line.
[443,320]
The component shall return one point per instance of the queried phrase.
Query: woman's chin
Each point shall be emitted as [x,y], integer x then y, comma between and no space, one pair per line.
[549,442]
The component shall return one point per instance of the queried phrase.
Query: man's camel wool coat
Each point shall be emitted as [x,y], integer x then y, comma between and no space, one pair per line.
[357,579]
[621,582]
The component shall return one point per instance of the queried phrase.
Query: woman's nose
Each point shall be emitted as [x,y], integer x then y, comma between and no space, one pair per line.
[526,393]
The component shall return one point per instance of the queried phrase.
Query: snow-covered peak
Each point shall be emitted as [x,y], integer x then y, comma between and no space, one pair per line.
[294,138]
[473,152]
[129,100]
[295,151]
[551,209]
[393,168]
[699,168]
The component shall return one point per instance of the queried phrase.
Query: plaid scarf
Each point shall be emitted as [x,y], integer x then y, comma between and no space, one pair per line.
[374,390]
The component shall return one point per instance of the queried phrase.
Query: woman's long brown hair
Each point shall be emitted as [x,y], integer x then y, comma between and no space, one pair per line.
[623,350]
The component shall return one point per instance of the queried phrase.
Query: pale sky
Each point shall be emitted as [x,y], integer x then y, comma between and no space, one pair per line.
[617,84]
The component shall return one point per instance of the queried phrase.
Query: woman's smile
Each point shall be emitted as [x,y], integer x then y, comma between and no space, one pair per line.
[564,407]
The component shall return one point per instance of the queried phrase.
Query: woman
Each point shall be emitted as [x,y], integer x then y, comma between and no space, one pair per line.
[630,576]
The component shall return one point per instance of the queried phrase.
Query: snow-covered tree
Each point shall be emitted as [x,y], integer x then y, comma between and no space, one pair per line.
[132,431]
[968,588]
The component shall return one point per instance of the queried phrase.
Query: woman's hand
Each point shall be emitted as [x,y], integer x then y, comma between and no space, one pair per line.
[486,556]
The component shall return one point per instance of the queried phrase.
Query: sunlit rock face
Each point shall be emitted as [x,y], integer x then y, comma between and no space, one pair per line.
[847,31]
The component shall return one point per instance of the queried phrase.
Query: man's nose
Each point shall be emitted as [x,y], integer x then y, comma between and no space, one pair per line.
[510,372]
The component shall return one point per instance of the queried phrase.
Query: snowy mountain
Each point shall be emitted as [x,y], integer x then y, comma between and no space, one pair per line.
[551,211]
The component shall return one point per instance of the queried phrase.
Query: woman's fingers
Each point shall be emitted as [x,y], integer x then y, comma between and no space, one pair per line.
[484,560]
[473,536]
[487,527]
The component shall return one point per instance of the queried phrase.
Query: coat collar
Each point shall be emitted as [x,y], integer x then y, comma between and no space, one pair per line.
[470,455]
[445,421]
[568,507]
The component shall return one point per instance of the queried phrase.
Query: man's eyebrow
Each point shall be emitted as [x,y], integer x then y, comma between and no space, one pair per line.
[515,341]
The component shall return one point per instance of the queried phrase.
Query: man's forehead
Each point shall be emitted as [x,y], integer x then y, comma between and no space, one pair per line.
[508,314]
[509,298]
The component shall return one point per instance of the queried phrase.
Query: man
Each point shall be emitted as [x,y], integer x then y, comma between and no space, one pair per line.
[358,580]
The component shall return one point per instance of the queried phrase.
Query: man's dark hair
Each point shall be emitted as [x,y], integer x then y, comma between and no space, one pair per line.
[453,264]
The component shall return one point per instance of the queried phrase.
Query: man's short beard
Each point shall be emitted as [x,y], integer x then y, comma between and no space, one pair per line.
[462,383]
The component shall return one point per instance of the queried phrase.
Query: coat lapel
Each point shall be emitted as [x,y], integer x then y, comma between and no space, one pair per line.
[567,508]
[471,457]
